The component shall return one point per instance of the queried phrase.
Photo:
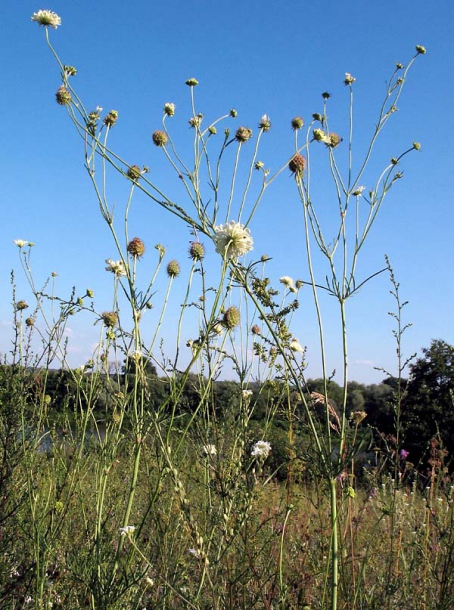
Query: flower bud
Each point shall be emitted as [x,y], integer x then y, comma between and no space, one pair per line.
[233,113]
[420,49]
[192,82]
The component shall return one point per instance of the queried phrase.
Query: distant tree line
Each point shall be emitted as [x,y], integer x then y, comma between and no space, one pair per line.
[425,414]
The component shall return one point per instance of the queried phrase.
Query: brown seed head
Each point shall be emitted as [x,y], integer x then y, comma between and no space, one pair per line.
[136,247]
[243,134]
[110,318]
[63,96]
[297,164]
[160,138]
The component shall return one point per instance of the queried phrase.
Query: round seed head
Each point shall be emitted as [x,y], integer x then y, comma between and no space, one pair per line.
[173,268]
[160,138]
[196,250]
[110,318]
[231,317]
[136,247]
[297,164]
[243,134]
[63,96]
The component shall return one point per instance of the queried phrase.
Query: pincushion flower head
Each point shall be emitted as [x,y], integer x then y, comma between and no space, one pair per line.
[20,243]
[232,240]
[261,449]
[116,267]
[288,281]
[47,18]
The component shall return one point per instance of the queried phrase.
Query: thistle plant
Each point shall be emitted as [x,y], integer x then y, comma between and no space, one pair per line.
[238,317]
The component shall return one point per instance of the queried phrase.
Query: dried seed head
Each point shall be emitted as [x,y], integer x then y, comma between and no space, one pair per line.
[160,138]
[297,165]
[21,305]
[231,317]
[173,269]
[333,140]
[111,118]
[30,322]
[297,123]
[110,318]
[196,250]
[134,172]
[243,134]
[255,330]
[63,96]
[136,247]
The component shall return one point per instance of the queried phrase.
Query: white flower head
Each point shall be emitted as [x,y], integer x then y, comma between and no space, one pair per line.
[261,449]
[169,109]
[296,346]
[288,281]
[349,79]
[194,552]
[47,18]
[209,450]
[246,393]
[232,240]
[357,192]
[128,530]
[20,243]
[116,267]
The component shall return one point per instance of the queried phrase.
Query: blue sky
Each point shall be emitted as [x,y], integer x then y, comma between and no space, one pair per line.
[257,57]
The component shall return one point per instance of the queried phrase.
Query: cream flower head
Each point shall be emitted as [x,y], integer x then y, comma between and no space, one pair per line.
[296,346]
[116,267]
[232,240]
[261,449]
[47,18]
[288,281]
[20,243]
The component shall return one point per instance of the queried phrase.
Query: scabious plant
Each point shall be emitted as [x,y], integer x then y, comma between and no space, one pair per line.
[211,506]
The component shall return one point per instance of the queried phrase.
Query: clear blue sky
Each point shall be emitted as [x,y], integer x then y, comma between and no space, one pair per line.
[258,57]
